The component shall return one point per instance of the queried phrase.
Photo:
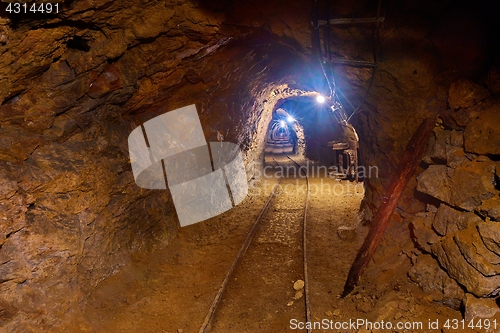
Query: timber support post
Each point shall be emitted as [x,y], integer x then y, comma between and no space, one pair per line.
[406,168]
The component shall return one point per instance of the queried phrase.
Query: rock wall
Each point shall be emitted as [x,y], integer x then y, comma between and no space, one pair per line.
[74,85]
[460,227]
[72,88]
[429,55]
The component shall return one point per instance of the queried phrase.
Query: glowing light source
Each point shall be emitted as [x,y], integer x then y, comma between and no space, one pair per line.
[282,124]
[290,119]
[320,99]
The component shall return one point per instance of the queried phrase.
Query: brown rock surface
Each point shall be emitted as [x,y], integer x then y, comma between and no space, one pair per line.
[480,308]
[491,208]
[449,220]
[435,182]
[482,135]
[424,235]
[471,184]
[470,244]
[455,156]
[73,86]
[464,93]
[442,139]
[450,257]
[457,138]
[431,278]
[490,233]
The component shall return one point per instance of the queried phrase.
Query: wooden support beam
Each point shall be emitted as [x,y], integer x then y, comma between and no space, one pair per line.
[406,168]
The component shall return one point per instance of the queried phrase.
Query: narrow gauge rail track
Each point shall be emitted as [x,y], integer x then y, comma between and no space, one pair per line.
[250,239]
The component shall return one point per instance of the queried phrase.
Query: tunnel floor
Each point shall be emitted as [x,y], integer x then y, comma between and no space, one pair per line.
[171,289]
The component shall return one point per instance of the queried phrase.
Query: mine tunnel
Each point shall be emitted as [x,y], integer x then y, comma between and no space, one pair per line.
[249,166]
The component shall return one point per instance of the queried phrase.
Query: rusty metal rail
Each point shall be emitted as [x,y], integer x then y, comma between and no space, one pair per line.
[304,249]
[213,308]
[205,327]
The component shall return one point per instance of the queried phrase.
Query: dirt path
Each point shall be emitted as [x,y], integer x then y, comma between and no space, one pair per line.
[171,290]
[260,296]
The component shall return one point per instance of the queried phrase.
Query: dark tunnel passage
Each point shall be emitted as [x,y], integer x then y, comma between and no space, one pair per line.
[202,99]
[318,126]
[282,137]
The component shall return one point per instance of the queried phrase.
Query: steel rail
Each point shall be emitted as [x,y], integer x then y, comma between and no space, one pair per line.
[205,327]
[304,247]
[215,304]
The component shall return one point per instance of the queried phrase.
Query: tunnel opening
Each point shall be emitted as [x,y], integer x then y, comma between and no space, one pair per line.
[307,127]
[284,135]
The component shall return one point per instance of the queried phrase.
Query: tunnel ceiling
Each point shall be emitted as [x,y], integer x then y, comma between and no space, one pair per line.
[73,85]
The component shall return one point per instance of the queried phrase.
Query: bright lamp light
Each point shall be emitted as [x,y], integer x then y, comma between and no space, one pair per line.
[290,119]
[320,99]
[282,124]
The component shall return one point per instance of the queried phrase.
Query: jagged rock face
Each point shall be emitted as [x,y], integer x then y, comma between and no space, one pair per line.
[431,278]
[74,85]
[463,233]
[414,83]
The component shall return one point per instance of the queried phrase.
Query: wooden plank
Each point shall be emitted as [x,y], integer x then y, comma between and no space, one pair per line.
[406,168]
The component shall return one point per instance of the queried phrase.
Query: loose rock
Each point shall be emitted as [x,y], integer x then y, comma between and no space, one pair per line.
[449,220]
[431,278]
[482,135]
[439,151]
[490,234]
[435,182]
[469,241]
[455,156]
[450,257]
[298,285]
[471,183]
[491,208]
[457,138]
[424,235]
[483,308]
[464,93]
[346,233]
